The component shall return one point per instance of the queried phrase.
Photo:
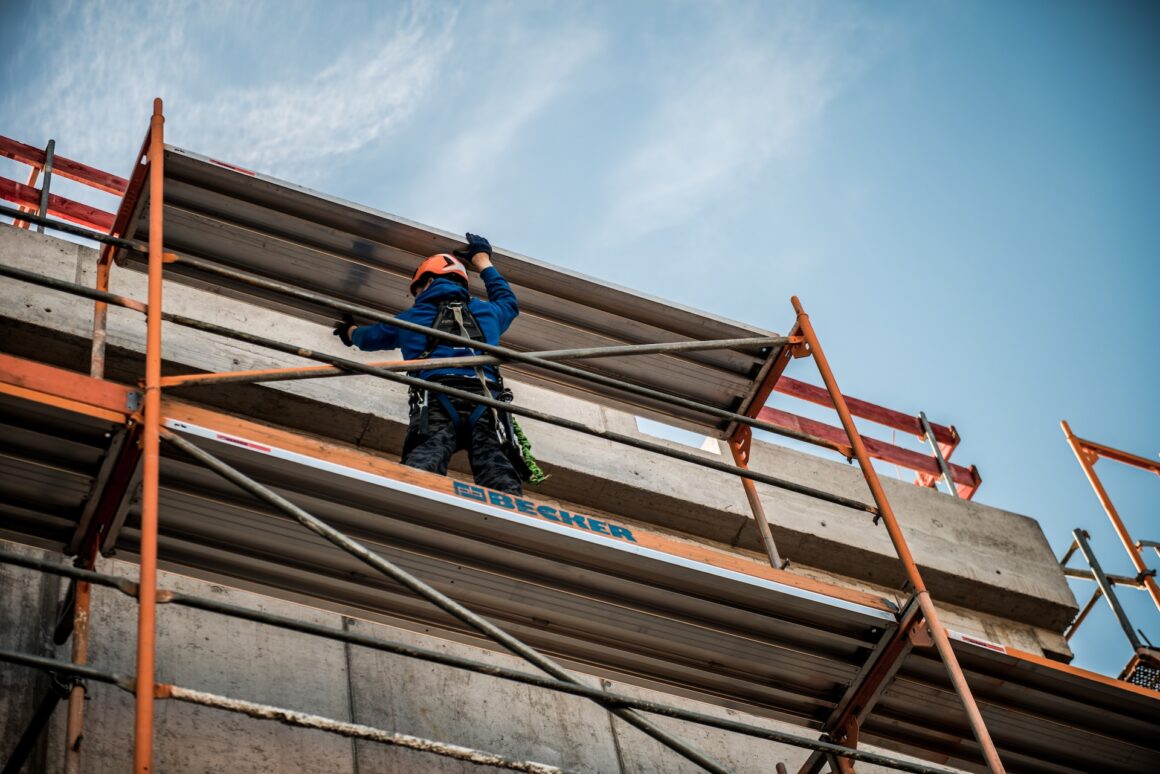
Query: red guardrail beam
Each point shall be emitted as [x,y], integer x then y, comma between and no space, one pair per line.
[68,209]
[865,410]
[73,170]
[967,480]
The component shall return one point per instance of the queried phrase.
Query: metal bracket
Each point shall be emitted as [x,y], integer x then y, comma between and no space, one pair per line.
[848,736]
[133,401]
[742,441]
[920,636]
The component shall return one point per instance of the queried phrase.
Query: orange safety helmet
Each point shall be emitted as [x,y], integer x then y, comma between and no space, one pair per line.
[442,264]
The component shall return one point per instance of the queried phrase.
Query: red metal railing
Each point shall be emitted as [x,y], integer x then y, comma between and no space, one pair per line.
[966,479]
[32,199]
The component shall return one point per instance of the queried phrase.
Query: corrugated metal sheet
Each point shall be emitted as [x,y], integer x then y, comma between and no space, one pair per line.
[284,232]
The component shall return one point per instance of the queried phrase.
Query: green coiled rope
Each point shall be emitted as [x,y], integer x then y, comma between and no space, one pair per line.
[538,476]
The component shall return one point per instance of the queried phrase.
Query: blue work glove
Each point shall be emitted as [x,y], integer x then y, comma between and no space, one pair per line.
[475,244]
[342,329]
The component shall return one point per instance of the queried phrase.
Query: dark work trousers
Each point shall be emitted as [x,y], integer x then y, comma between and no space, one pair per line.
[431,451]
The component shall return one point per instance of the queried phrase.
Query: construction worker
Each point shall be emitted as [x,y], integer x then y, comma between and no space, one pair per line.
[440,424]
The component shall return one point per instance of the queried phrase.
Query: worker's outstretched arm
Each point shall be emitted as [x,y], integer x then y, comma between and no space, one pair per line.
[366,337]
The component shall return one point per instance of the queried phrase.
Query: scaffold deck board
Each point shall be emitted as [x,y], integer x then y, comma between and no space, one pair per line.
[250,222]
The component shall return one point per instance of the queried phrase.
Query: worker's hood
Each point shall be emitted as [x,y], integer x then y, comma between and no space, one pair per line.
[442,290]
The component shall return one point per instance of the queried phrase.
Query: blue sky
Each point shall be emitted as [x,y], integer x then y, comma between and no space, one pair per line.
[966,196]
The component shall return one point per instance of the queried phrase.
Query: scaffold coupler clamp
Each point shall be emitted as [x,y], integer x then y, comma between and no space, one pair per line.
[62,684]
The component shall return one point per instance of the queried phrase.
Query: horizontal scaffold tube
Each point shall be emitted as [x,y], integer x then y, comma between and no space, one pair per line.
[587,353]
[353,730]
[458,662]
[289,717]
[67,668]
[69,228]
[127,684]
[359,367]
[71,287]
[428,592]
[322,372]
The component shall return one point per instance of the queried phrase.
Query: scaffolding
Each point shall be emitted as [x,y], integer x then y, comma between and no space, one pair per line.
[1144,666]
[147,429]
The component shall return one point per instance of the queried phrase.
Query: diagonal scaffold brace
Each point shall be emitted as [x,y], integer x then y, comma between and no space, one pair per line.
[431,594]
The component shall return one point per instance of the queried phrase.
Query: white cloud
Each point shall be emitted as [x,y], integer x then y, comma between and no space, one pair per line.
[748,93]
[264,112]
[362,95]
[526,75]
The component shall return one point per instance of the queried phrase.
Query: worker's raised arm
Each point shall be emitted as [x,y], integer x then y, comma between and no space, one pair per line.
[499,292]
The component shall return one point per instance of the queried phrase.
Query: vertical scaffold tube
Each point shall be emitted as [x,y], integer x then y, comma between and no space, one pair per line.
[741,458]
[147,589]
[100,322]
[926,604]
[1134,553]
[80,655]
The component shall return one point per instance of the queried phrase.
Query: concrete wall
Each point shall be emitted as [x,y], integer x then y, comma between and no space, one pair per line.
[263,664]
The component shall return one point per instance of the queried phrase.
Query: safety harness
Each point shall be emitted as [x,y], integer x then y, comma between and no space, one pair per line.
[454,316]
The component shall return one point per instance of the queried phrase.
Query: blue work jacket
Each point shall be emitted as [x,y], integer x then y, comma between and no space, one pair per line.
[494,316]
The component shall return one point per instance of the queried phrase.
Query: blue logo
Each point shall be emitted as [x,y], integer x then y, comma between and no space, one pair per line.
[560,516]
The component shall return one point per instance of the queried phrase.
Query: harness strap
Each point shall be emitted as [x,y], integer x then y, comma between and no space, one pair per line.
[457,311]
[463,428]
[455,316]
[424,410]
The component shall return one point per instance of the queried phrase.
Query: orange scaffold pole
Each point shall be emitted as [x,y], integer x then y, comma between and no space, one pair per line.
[1087,458]
[926,604]
[150,436]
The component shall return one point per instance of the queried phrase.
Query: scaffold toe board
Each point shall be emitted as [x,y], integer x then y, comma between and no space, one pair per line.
[250,222]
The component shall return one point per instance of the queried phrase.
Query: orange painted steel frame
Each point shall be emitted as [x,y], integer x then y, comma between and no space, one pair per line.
[926,604]
[1088,453]
[28,198]
[151,440]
